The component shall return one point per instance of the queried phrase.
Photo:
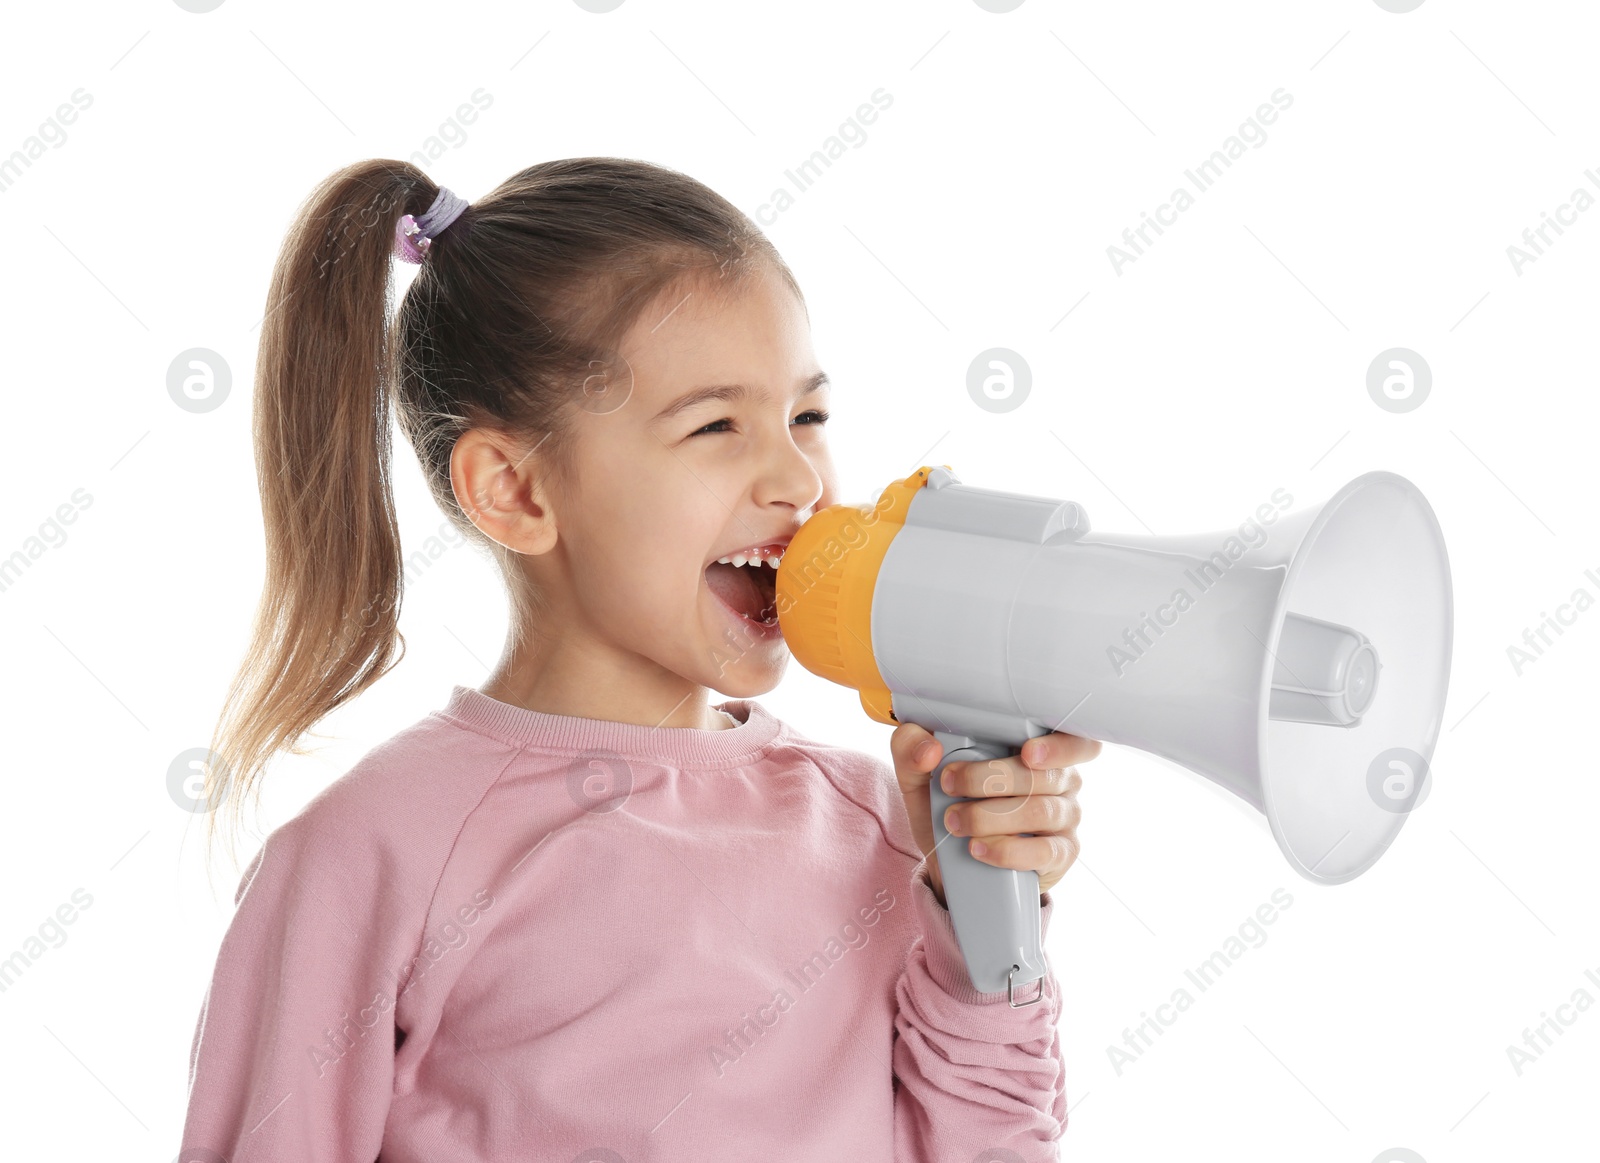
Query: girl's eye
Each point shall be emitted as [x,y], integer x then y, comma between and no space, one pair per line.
[821,417]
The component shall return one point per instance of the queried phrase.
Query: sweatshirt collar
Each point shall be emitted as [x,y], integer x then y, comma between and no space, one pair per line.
[522,727]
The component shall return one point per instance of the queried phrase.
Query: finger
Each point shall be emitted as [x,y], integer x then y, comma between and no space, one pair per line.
[1006,815]
[1059,749]
[914,749]
[1006,777]
[1050,856]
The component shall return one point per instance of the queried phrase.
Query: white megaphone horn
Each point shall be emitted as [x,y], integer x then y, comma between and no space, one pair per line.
[1300,661]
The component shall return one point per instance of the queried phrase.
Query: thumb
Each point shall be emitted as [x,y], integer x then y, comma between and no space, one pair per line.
[916,753]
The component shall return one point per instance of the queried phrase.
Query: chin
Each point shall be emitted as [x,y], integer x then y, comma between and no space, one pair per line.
[745,680]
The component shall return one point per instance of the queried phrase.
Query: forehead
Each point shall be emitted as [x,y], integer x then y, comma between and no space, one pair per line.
[701,330]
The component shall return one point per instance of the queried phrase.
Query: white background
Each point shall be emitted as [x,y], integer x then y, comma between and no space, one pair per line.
[1230,360]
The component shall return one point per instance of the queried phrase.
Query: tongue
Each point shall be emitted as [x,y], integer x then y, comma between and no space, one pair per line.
[735,586]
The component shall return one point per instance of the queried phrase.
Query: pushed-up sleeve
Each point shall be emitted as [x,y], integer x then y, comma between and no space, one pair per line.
[293,1054]
[972,1074]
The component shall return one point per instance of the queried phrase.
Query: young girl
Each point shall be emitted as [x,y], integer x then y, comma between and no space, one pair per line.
[580,913]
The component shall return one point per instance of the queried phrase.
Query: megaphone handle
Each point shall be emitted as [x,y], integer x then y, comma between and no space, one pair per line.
[995,911]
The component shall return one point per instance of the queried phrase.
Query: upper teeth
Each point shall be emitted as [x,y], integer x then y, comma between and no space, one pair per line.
[754,557]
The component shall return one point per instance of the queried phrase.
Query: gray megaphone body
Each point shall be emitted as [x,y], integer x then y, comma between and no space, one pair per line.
[1299,660]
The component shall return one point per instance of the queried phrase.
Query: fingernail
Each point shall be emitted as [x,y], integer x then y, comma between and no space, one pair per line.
[926,752]
[978,848]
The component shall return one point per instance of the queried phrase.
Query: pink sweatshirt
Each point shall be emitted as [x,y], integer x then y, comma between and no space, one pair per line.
[505,934]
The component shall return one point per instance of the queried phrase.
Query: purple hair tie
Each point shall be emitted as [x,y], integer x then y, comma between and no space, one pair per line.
[414,235]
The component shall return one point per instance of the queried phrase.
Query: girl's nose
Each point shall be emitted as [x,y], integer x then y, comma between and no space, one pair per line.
[791,479]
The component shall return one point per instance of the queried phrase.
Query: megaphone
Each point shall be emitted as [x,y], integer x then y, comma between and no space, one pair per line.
[1300,660]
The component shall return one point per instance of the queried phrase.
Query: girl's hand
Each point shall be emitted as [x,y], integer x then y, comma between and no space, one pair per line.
[1036,792]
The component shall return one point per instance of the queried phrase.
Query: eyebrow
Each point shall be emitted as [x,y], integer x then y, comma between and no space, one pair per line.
[732,392]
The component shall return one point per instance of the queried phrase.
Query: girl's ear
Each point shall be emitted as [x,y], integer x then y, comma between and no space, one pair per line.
[501,490]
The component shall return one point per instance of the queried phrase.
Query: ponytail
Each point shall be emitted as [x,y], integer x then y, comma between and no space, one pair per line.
[326,627]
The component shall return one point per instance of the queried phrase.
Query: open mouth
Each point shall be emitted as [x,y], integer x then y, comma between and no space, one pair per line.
[746,582]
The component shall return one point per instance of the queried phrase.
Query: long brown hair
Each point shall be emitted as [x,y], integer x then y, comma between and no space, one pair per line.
[516,305]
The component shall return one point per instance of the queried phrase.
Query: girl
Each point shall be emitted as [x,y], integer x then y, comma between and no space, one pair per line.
[580,913]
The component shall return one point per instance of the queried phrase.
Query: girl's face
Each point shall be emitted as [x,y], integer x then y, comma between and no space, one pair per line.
[707,440]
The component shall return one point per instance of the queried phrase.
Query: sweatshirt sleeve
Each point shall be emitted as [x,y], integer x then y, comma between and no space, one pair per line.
[972,1074]
[293,1054]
